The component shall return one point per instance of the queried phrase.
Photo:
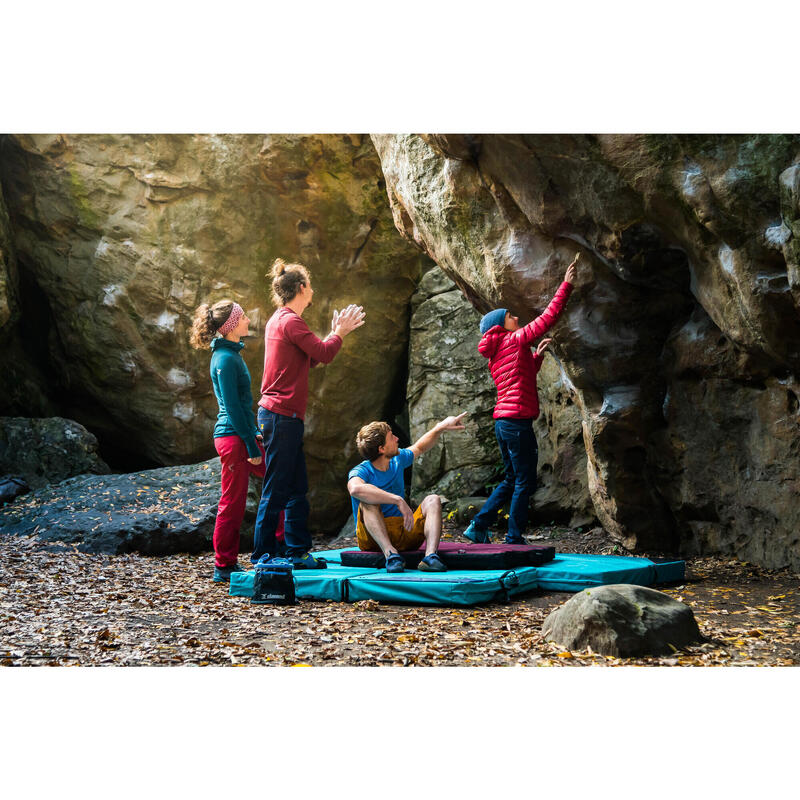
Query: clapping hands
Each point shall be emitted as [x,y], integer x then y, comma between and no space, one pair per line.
[347,320]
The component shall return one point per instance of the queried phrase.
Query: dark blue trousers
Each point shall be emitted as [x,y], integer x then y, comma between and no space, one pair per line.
[285,486]
[520,458]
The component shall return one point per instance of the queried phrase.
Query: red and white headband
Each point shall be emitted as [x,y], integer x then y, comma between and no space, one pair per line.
[237,312]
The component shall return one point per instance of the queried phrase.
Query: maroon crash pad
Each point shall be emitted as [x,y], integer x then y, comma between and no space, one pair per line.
[461,556]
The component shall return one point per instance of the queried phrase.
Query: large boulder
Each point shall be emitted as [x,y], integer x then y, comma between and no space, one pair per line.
[562,493]
[119,238]
[622,620]
[154,512]
[45,451]
[670,228]
[447,375]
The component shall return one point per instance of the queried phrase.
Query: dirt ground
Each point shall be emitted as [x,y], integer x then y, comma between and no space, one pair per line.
[59,607]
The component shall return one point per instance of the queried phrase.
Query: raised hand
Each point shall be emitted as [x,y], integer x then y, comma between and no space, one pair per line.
[452,423]
[335,320]
[572,270]
[543,345]
[349,319]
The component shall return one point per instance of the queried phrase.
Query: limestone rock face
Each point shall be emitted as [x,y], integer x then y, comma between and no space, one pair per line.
[119,238]
[47,450]
[670,229]
[447,375]
[622,620]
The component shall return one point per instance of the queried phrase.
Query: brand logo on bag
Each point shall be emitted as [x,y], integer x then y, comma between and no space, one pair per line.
[275,596]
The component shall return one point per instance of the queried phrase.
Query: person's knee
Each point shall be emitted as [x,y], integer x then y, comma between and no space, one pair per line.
[371,514]
[432,503]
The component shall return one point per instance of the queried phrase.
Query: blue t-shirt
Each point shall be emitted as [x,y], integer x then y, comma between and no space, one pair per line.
[390,481]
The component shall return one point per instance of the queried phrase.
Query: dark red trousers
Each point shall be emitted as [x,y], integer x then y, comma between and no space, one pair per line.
[236,472]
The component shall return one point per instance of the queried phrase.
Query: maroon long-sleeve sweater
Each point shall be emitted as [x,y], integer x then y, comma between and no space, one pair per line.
[290,350]
[514,366]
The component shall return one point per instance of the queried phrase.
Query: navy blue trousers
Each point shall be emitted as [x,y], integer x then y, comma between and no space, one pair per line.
[285,486]
[520,458]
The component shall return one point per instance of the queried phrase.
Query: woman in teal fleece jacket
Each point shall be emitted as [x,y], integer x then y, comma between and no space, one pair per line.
[236,439]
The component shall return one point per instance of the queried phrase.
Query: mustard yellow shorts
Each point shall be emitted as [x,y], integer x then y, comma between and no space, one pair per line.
[398,535]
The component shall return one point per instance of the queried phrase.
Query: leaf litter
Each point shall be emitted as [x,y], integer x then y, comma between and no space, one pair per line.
[62,607]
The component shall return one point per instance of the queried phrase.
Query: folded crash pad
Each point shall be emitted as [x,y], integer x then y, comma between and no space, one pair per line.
[461,556]
[309,584]
[452,588]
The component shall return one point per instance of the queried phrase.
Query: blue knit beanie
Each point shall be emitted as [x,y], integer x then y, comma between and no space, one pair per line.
[496,317]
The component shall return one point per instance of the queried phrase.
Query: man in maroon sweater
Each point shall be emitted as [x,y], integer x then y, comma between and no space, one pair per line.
[514,368]
[290,350]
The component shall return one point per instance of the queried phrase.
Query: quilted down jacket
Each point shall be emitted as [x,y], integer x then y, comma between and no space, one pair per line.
[514,366]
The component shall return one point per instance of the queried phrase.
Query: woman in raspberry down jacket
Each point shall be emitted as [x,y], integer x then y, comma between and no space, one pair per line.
[513,367]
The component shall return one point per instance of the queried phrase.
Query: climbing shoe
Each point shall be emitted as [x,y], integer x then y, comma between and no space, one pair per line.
[476,534]
[395,562]
[432,563]
[307,561]
[223,574]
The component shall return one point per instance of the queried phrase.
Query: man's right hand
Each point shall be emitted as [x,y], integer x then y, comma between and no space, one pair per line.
[348,320]
[408,514]
[452,423]
[572,270]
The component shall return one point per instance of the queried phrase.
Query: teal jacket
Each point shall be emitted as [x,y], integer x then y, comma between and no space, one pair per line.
[231,380]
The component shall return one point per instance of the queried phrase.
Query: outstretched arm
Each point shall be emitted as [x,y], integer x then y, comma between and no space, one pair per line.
[549,317]
[429,439]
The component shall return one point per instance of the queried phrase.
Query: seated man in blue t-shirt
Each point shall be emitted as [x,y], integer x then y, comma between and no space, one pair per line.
[384,521]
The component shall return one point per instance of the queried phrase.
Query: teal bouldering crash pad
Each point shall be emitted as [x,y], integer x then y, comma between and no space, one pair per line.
[568,572]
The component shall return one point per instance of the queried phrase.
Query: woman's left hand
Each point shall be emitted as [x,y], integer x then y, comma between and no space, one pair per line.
[255,461]
[543,345]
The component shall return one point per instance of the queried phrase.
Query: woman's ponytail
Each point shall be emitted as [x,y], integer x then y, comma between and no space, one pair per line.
[207,321]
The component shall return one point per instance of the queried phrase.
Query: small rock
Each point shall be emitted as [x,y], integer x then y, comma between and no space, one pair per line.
[622,620]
